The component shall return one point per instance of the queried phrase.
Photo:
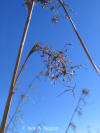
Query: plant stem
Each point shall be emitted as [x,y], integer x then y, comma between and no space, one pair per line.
[79,38]
[75,110]
[9,99]
[13,116]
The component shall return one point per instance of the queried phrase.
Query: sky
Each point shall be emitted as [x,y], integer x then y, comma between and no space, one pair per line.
[43,106]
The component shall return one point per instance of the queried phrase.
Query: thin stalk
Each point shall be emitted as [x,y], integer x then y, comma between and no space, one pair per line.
[13,116]
[9,99]
[23,65]
[73,114]
[79,38]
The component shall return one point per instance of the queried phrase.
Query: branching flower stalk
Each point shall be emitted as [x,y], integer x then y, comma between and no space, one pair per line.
[76,110]
[8,103]
[79,38]
[57,65]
